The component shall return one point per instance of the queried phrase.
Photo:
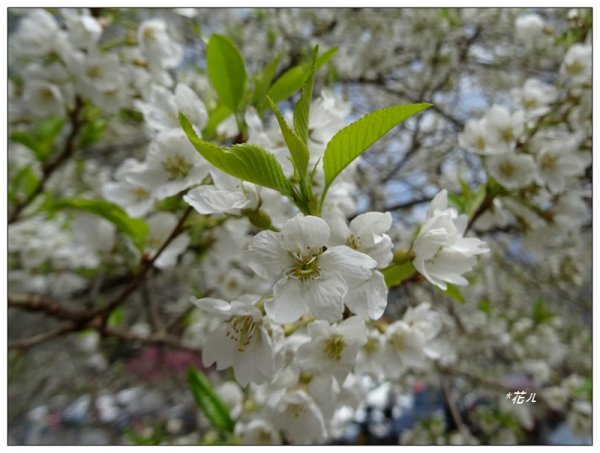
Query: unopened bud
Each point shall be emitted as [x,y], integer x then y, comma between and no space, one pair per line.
[259,218]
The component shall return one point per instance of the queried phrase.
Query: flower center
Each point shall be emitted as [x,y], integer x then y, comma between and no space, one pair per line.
[575,68]
[241,329]
[396,341]
[353,241]
[149,34]
[549,162]
[371,346]
[176,166]
[46,95]
[140,193]
[333,347]
[507,135]
[307,268]
[507,169]
[479,142]
[530,103]
[295,409]
[93,72]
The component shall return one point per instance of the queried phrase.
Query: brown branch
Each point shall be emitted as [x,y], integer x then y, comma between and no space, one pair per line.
[38,303]
[34,340]
[454,412]
[79,320]
[49,168]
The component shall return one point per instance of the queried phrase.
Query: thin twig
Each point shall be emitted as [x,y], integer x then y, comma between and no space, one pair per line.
[49,168]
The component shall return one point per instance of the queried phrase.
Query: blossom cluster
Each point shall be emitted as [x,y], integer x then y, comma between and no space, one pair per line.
[309,304]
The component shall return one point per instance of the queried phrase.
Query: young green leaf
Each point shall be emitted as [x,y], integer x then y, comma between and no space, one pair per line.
[293,79]
[247,162]
[209,402]
[226,70]
[289,82]
[351,141]
[298,148]
[263,82]
[40,139]
[453,292]
[23,184]
[92,132]
[136,229]
[303,106]
[395,274]
[215,117]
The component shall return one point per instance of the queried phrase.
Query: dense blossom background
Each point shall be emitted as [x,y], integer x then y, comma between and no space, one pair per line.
[128,253]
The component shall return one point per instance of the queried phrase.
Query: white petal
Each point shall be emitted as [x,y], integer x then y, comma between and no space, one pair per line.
[354,266]
[211,200]
[326,295]
[268,258]
[439,202]
[304,235]
[289,301]
[370,299]
[218,348]
[371,224]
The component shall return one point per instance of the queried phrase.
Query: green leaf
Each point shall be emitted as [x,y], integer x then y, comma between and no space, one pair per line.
[325,57]
[263,82]
[298,148]
[209,402]
[115,318]
[293,79]
[92,132]
[539,314]
[247,162]
[215,117]
[351,141]
[453,292]
[303,106]
[289,82]
[395,274]
[136,229]
[23,184]
[40,139]
[226,70]
[457,201]
[486,307]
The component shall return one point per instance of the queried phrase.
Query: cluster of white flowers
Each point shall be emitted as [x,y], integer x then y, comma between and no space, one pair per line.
[294,303]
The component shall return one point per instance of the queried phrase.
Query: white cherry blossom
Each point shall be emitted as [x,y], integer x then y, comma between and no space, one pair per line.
[240,340]
[306,272]
[442,254]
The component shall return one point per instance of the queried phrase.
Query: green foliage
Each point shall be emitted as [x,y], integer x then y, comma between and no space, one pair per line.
[209,402]
[351,141]
[289,82]
[215,117]
[302,108]
[539,314]
[226,70]
[247,162]
[395,274]
[453,292]
[262,83]
[40,138]
[115,318]
[485,306]
[293,79]
[471,199]
[24,183]
[136,229]
[298,148]
[92,131]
